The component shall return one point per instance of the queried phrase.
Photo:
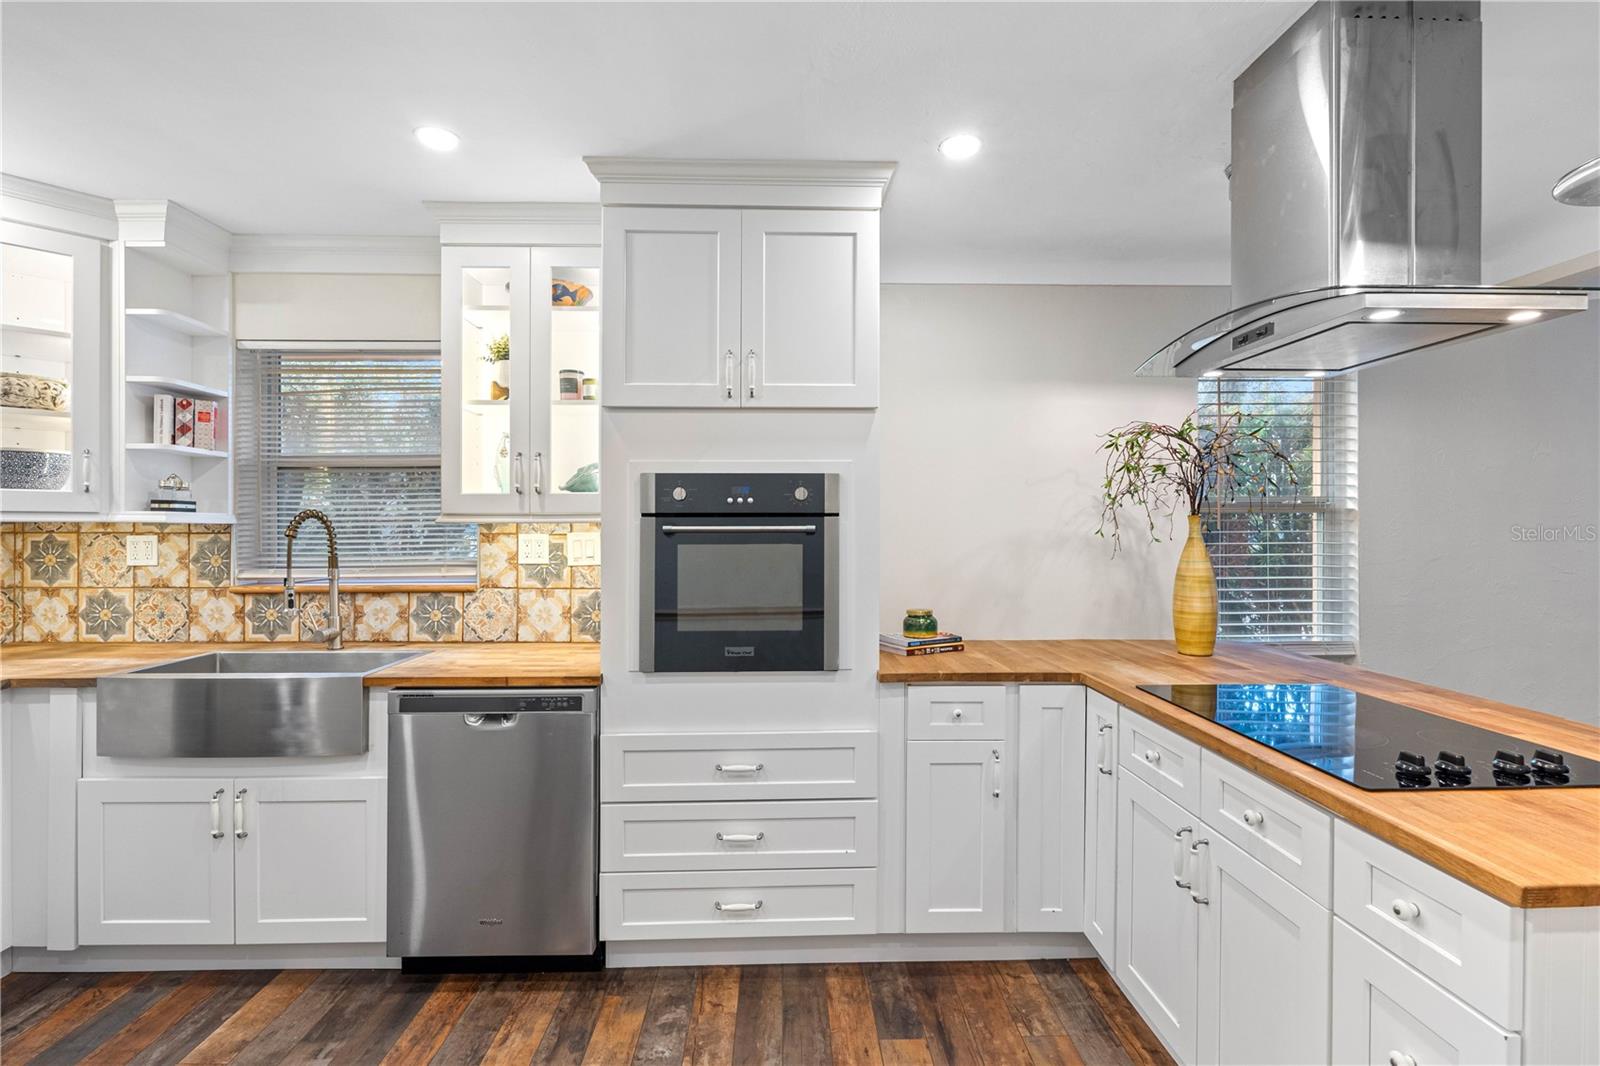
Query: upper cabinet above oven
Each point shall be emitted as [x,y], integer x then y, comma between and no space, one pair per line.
[772,303]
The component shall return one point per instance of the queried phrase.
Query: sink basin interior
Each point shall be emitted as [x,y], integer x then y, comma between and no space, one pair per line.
[282,662]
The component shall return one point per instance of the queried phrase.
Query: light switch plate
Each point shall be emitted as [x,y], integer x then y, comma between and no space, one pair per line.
[583,548]
[141,549]
[533,549]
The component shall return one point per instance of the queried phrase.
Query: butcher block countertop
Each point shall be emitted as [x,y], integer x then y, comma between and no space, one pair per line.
[1525,848]
[442,666]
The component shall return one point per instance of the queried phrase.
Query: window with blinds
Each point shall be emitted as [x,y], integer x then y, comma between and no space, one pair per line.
[1286,563]
[354,433]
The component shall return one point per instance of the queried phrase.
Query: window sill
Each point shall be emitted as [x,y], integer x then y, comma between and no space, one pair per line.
[316,586]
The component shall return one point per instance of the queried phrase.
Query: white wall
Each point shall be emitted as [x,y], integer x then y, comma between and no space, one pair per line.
[336,307]
[993,400]
[1464,451]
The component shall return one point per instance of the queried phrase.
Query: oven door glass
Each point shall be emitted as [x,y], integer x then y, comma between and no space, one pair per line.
[739,594]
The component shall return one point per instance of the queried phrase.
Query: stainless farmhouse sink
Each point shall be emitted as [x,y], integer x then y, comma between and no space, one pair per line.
[240,704]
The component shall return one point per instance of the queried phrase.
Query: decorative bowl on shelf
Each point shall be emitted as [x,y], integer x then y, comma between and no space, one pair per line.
[32,392]
[569,293]
[23,468]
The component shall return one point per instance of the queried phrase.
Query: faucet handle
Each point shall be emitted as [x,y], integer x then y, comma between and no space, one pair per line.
[290,600]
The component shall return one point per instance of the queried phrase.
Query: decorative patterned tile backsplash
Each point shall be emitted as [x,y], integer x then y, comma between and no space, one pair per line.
[62,581]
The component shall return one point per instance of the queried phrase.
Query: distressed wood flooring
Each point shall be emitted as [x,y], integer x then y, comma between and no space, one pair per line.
[1040,1013]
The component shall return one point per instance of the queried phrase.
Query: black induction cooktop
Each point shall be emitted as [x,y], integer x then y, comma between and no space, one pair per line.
[1378,745]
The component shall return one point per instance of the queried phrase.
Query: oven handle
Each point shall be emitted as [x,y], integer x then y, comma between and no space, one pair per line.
[738,529]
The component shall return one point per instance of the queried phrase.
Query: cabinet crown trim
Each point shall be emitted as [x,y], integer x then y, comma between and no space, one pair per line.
[742,182]
[35,203]
[192,244]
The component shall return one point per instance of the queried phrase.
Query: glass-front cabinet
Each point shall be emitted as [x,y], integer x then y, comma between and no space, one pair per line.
[51,371]
[521,354]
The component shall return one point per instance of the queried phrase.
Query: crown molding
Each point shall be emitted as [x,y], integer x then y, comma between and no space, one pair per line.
[172,232]
[562,224]
[51,207]
[270,253]
[742,182]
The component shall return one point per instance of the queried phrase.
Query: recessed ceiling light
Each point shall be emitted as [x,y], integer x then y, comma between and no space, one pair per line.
[1384,315]
[960,146]
[1524,316]
[438,138]
[1316,373]
[1212,374]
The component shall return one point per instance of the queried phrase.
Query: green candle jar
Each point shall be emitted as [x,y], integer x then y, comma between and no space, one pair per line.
[920,622]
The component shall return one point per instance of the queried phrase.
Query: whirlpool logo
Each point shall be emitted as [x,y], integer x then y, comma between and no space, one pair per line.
[742,652]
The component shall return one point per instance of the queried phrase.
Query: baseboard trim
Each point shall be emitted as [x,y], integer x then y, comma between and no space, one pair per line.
[5,962]
[918,947]
[204,957]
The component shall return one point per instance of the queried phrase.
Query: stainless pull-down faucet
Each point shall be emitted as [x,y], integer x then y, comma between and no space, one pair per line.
[332,634]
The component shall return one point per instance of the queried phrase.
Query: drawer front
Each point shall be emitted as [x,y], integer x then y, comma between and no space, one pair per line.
[1387,1014]
[1161,758]
[1467,941]
[956,712]
[737,903]
[722,766]
[791,834]
[1287,835]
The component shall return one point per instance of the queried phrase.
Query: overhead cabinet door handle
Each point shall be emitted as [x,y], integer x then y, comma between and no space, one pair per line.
[516,473]
[238,814]
[216,814]
[728,372]
[750,361]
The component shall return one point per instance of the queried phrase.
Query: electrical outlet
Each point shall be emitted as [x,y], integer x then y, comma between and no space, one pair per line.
[533,549]
[583,548]
[141,549]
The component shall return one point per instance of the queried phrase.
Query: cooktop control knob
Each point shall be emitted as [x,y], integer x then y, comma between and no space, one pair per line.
[801,493]
[680,494]
[1411,764]
[1510,762]
[1548,763]
[1452,765]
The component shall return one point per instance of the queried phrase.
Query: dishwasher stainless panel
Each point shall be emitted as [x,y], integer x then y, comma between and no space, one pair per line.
[493,826]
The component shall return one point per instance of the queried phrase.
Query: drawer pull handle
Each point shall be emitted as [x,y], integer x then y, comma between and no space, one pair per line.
[1405,910]
[741,838]
[741,767]
[1253,818]
[1400,1058]
[1152,756]
[956,714]
[738,908]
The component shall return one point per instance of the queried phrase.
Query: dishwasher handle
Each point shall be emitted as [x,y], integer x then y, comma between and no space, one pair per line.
[491,721]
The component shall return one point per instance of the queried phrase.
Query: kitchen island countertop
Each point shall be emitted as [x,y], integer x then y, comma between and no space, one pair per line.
[1525,848]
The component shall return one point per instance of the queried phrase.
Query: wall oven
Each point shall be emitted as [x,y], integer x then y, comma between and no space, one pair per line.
[739,572]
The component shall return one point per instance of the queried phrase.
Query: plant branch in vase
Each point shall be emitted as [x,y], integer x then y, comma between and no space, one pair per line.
[1155,468]
[498,356]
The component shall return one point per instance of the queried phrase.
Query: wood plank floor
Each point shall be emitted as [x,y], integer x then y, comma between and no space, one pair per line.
[1040,1013]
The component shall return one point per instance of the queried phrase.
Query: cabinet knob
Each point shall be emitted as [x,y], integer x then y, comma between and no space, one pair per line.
[1400,1058]
[956,714]
[1405,910]
[1152,756]
[1253,818]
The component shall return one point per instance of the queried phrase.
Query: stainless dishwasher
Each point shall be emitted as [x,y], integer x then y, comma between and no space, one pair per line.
[492,822]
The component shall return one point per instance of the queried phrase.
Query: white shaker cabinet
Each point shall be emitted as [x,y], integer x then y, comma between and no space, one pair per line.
[1050,822]
[955,836]
[155,861]
[1100,826]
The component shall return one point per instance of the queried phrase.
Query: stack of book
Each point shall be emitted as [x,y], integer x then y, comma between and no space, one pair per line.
[897,644]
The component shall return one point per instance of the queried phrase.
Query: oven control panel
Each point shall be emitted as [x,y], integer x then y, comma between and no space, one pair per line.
[722,494]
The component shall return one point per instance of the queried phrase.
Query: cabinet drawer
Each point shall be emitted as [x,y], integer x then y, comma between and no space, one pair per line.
[956,712]
[720,766]
[1287,835]
[1167,762]
[1387,1014]
[737,903]
[1468,942]
[738,836]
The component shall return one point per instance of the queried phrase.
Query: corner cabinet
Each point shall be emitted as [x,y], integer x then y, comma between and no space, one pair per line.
[771,303]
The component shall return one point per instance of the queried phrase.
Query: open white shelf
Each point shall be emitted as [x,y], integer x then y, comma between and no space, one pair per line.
[43,331]
[157,383]
[576,403]
[176,321]
[178,449]
[36,418]
[488,403]
[176,517]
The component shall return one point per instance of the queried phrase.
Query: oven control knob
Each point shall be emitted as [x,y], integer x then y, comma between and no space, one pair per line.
[680,493]
[801,493]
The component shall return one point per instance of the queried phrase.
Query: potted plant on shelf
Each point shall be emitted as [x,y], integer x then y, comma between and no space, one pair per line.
[1156,467]
[498,356]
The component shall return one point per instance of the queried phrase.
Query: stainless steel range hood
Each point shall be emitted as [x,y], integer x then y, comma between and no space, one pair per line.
[1356,192]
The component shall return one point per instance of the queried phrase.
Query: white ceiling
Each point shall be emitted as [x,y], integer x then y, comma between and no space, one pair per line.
[1105,125]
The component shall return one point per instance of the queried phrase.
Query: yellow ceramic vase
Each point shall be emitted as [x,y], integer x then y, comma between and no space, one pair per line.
[1194,596]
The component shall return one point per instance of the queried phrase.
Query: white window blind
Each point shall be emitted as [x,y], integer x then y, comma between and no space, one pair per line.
[1286,563]
[354,433]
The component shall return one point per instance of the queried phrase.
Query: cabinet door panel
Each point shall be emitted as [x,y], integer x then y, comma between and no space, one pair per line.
[810,310]
[310,865]
[955,836]
[155,861]
[1157,925]
[670,316]
[1264,961]
[1050,809]
[1100,826]
[565,430]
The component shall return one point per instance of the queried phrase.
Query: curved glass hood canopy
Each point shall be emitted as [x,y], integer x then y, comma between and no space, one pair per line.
[1356,199]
